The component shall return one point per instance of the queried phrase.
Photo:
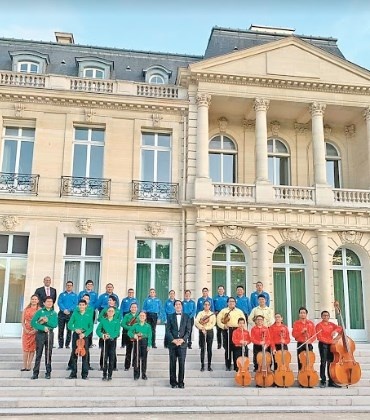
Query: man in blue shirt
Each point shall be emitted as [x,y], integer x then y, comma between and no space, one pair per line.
[67,302]
[259,291]
[125,309]
[93,299]
[242,302]
[219,303]
[153,308]
[189,308]
[102,302]
[202,299]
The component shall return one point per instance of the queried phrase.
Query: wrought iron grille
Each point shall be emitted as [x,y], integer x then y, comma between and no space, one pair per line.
[85,187]
[154,191]
[19,183]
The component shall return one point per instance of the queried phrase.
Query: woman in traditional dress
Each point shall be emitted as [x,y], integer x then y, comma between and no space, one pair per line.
[29,334]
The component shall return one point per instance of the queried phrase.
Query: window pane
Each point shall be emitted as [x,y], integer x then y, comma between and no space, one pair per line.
[96,162]
[17,278]
[97,135]
[295,256]
[164,140]
[81,133]
[280,293]
[228,144]
[238,277]
[280,147]
[215,143]
[279,255]
[331,150]
[162,250]
[26,156]
[33,68]
[352,259]
[271,172]
[142,282]
[330,177]
[270,146]
[143,249]
[147,165]
[9,157]
[219,254]
[297,290]
[72,271]
[355,298]
[88,73]
[236,254]
[23,67]
[148,139]
[284,171]
[2,282]
[163,167]
[218,277]
[162,280]
[4,244]
[93,246]
[28,132]
[228,174]
[215,167]
[92,272]
[79,160]
[20,244]
[73,246]
[11,131]
[339,291]
[338,258]
[99,74]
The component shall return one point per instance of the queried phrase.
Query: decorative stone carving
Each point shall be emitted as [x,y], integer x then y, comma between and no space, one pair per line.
[275,127]
[157,118]
[366,114]
[293,235]
[350,130]
[83,225]
[231,231]
[222,124]
[249,125]
[327,130]
[350,236]
[317,108]
[261,104]
[19,108]
[154,228]
[300,128]
[89,114]
[10,222]
[203,99]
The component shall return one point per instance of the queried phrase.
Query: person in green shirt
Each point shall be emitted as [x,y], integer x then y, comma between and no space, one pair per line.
[108,330]
[128,321]
[44,321]
[141,333]
[81,324]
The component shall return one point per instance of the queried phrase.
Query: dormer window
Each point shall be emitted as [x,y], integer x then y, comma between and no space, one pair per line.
[94,68]
[157,75]
[29,61]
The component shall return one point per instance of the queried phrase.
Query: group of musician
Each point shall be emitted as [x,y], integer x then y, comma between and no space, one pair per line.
[230,315]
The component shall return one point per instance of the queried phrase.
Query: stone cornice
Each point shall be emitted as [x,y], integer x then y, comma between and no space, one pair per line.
[281,83]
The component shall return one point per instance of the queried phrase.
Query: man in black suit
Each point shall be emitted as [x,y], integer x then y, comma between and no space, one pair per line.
[46,290]
[178,329]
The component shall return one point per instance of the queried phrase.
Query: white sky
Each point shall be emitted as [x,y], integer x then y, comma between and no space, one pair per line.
[184,26]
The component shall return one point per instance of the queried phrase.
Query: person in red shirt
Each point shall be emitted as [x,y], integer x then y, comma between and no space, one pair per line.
[241,338]
[325,331]
[303,330]
[260,336]
[279,334]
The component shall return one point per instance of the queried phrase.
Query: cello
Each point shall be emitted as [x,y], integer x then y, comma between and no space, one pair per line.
[264,376]
[344,370]
[243,376]
[307,376]
[283,376]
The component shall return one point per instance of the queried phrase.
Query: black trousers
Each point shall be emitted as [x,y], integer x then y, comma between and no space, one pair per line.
[191,331]
[205,341]
[62,324]
[219,335]
[152,318]
[229,347]
[177,354]
[140,359]
[74,357]
[326,357]
[46,340]
[101,361]
[299,351]
[109,356]
[124,337]
[128,358]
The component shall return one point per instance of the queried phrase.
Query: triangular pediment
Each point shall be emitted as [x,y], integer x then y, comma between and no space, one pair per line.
[290,58]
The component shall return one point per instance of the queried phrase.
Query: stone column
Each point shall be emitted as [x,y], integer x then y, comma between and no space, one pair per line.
[201,279]
[366,115]
[203,102]
[262,259]
[261,106]
[318,142]
[323,269]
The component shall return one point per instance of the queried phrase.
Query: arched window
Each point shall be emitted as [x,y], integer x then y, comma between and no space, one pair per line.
[156,79]
[28,67]
[157,74]
[289,282]
[333,167]
[222,160]
[93,73]
[278,162]
[229,268]
[348,290]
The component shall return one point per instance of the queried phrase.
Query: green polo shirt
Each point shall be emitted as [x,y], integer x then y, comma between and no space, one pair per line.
[81,321]
[127,319]
[52,319]
[110,327]
[145,329]
[117,314]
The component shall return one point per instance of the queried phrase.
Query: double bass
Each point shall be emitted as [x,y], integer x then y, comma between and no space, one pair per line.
[307,376]
[344,370]
[283,375]
[264,376]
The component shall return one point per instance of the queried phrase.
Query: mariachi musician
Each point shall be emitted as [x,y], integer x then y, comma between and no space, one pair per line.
[279,334]
[304,332]
[205,321]
[227,319]
[260,337]
[128,321]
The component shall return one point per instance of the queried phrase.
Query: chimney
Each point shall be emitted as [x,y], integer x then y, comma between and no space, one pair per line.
[64,38]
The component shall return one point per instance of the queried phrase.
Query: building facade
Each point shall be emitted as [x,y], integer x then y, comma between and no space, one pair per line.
[145,169]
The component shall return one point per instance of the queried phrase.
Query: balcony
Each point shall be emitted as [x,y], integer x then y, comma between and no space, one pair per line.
[157,91]
[22,79]
[294,195]
[19,183]
[155,191]
[234,192]
[91,85]
[72,186]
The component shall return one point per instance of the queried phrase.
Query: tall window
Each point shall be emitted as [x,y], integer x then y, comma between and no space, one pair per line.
[13,266]
[82,261]
[278,162]
[333,170]
[18,150]
[348,290]
[93,73]
[222,160]
[28,67]
[156,157]
[153,268]
[229,268]
[88,152]
[289,282]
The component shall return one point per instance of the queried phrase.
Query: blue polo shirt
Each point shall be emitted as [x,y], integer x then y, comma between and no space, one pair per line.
[126,304]
[220,302]
[201,301]
[243,304]
[169,307]
[103,301]
[254,298]
[67,301]
[93,297]
[154,305]
[189,308]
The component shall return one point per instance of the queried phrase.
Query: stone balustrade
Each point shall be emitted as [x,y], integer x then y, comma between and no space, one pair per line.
[91,85]
[157,91]
[22,79]
[236,192]
[299,195]
[353,198]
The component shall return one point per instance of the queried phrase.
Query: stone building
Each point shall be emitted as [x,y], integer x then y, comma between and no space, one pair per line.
[171,171]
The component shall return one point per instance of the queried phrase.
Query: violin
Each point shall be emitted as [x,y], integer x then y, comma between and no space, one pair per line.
[283,374]
[243,376]
[80,349]
[264,376]
[307,376]
[132,321]
[226,318]
[344,370]
[205,319]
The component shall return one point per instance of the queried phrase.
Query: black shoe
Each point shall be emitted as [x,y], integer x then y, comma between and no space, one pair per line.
[109,378]
[115,369]
[189,347]
[104,378]
[84,377]
[322,384]
[101,369]
[91,368]
[69,368]
[72,376]
[34,376]
[60,347]
[67,347]
[202,369]
[228,369]
[174,385]
[182,386]
[126,369]
[136,378]
[218,346]
[143,376]
[47,375]
[24,370]
[210,369]
[154,347]
[333,385]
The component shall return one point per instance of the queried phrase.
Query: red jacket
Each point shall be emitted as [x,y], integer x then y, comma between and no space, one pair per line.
[239,335]
[325,330]
[300,336]
[258,335]
[279,335]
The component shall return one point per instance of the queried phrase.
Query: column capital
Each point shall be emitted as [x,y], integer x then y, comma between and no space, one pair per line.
[261,104]
[203,99]
[366,114]
[317,108]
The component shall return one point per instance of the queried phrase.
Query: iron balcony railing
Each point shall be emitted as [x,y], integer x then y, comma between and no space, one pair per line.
[85,187]
[19,183]
[155,191]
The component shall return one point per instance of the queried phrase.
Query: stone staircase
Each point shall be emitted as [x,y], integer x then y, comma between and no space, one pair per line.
[205,392]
